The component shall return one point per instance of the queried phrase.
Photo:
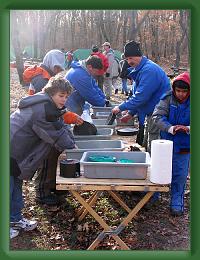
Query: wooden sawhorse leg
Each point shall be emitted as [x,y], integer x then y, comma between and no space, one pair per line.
[100,221]
[124,223]
[91,201]
[107,229]
[118,199]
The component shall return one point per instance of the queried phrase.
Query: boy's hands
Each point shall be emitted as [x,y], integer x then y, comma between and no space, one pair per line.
[181,128]
[72,118]
[79,120]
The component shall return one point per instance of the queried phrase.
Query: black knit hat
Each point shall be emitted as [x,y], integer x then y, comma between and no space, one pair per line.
[95,48]
[132,49]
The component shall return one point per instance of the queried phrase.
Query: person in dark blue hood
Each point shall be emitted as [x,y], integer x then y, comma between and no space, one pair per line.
[172,116]
[81,76]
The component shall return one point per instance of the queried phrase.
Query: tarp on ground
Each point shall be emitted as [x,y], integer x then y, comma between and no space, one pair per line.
[82,54]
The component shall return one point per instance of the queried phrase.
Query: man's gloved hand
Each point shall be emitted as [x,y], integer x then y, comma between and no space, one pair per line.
[107,75]
[125,118]
[72,118]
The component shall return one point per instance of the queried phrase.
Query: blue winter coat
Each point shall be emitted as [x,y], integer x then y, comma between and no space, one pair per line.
[151,82]
[170,112]
[85,88]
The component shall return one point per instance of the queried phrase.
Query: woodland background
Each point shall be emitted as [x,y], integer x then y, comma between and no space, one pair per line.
[165,38]
[163,34]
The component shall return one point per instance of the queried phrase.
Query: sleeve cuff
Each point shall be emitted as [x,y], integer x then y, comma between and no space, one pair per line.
[171,130]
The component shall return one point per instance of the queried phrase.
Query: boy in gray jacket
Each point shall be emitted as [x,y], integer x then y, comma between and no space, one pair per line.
[36,128]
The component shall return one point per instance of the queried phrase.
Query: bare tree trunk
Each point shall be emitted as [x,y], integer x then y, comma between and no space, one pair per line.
[180,41]
[35,35]
[16,45]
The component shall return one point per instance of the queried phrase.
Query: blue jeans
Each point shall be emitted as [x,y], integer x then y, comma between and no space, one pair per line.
[180,167]
[16,199]
[124,85]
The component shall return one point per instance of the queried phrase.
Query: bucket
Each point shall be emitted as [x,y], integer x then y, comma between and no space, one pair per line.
[70,168]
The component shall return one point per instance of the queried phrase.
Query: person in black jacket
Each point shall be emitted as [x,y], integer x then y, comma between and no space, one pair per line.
[123,74]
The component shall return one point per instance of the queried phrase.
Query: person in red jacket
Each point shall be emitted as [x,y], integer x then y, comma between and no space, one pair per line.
[99,78]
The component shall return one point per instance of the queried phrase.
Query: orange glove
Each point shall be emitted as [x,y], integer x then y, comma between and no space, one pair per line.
[72,118]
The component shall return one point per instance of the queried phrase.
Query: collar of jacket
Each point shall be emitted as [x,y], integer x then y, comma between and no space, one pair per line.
[83,65]
[110,51]
[139,66]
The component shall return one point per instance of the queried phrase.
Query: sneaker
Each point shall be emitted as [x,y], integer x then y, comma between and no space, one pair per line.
[13,233]
[122,92]
[126,93]
[25,224]
[116,91]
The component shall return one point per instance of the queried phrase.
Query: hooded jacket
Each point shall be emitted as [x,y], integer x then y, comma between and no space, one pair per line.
[85,88]
[35,127]
[51,59]
[170,112]
[150,83]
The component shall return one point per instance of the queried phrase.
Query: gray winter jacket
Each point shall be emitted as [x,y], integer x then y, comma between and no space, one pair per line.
[35,127]
[113,68]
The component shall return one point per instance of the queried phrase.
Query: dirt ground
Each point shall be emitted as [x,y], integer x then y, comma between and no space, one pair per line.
[152,229]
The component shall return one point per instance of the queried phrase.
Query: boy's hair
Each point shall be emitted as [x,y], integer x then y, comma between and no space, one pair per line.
[180,84]
[95,62]
[57,84]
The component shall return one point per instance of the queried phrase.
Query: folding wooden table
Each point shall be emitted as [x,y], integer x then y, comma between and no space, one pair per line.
[111,186]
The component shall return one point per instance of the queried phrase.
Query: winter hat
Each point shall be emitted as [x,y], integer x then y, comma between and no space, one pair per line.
[54,58]
[106,43]
[182,81]
[132,49]
[95,48]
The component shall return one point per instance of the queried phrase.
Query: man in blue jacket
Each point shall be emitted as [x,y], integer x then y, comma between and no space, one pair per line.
[150,83]
[81,76]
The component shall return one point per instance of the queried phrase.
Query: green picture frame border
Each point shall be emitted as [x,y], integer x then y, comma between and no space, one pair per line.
[5,7]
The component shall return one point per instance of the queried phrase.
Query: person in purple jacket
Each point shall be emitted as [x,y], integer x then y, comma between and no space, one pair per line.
[150,83]
[81,76]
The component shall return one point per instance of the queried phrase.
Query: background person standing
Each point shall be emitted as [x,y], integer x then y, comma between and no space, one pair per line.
[104,59]
[112,72]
